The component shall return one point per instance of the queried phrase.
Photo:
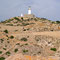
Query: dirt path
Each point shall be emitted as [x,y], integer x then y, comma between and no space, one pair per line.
[54,34]
[25,57]
[49,33]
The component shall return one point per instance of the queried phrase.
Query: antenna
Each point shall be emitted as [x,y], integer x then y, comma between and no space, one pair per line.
[29,6]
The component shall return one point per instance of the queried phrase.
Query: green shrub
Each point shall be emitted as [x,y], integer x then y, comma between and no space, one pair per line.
[0,52]
[8,53]
[2,58]
[52,30]
[1,40]
[9,20]
[26,44]
[35,19]
[24,30]
[11,37]
[6,35]
[53,49]
[43,18]
[18,24]
[57,22]
[53,22]
[16,30]
[10,24]
[22,18]
[25,51]
[16,18]
[8,42]
[4,48]
[3,21]
[23,39]
[6,31]
[25,24]
[18,44]
[5,45]
[15,50]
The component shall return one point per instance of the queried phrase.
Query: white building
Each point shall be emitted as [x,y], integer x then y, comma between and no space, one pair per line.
[21,15]
[29,10]
[29,15]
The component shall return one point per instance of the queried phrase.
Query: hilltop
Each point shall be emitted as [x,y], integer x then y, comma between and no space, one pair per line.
[33,24]
[23,38]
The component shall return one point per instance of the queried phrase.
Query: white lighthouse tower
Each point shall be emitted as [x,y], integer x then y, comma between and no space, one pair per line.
[29,10]
[29,15]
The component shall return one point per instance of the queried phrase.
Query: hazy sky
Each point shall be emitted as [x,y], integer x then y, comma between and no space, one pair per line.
[49,9]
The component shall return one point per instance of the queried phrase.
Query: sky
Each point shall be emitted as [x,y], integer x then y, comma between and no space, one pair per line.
[49,9]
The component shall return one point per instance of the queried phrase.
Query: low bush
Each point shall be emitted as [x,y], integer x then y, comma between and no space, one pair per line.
[9,20]
[22,18]
[18,44]
[24,30]
[0,52]
[17,18]
[15,50]
[2,58]
[10,24]
[53,49]
[8,53]
[23,39]
[43,18]
[24,51]
[26,44]
[8,42]
[25,24]
[57,22]
[53,22]
[1,40]
[11,37]
[4,48]
[6,31]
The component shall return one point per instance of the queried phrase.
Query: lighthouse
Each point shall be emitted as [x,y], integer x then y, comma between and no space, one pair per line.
[29,10]
[29,15]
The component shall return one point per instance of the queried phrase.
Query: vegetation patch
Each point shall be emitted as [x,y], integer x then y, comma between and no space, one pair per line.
[57,22]
[43,18]
[16,50]
[16,30]
[1,40]
[22,18]
[6,31]
[10,24]
[53,22]
[24,30]
[24,51]
[17,18]
[4,48]
[8,42]
[11,37]
[2,58]
[0,52]
[8,53]
[23,39]
[26,44]
[18,44]
[25,24]
[9,20]
[53,49]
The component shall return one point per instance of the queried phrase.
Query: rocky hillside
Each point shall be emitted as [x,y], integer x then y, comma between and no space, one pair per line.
[29,38]
[33,24]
